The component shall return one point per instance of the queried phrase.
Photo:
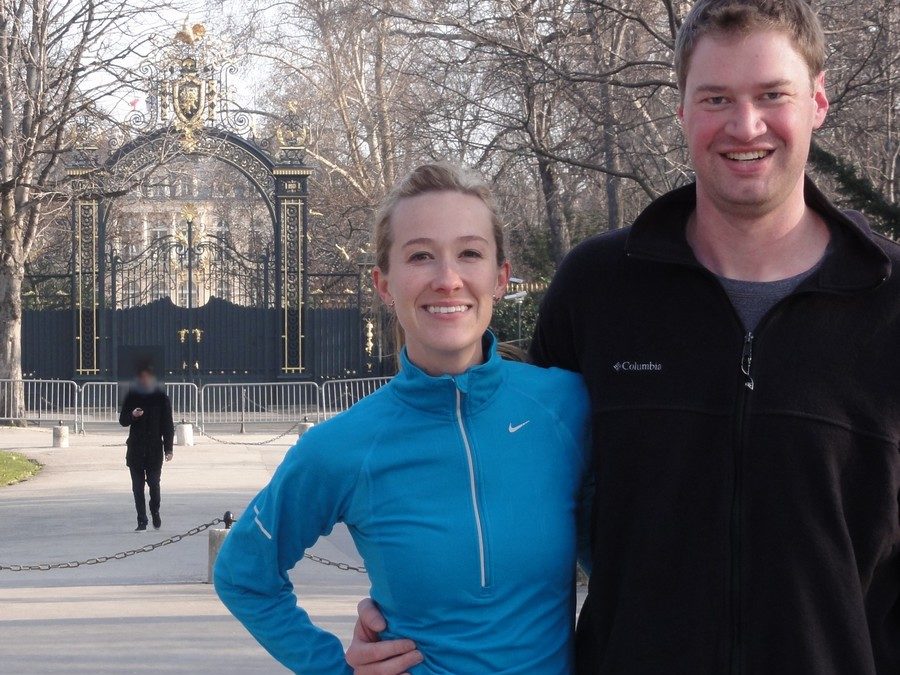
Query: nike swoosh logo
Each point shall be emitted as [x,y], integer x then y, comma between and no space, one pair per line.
[514,429]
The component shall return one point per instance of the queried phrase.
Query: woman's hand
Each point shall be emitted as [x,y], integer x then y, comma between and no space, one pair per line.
[368,655]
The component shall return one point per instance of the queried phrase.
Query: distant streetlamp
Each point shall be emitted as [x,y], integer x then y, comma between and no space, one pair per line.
[519,297]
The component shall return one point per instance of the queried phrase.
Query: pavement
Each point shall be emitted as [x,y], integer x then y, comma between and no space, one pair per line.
[151,612]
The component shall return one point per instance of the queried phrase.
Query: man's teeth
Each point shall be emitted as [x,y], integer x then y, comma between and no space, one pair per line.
[747,156]
[435,309]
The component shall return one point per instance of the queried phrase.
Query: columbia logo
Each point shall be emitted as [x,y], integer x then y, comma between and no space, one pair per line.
[634,366]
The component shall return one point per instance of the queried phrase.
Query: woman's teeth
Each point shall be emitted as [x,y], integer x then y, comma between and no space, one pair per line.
[746,156]
[435,309]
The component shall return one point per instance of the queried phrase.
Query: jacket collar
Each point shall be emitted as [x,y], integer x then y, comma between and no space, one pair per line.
[437,394]
[854,261]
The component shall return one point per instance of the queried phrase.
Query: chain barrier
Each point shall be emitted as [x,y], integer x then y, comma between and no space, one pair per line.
[44,567]
[224,442]
[219,440]
[344,567]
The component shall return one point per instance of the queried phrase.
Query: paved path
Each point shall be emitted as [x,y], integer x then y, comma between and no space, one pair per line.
[152,612]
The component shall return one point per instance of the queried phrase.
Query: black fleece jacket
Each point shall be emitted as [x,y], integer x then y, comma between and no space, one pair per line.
[151,434]
[747,485]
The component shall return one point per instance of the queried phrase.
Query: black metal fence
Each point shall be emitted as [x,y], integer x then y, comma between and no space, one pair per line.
[207,313]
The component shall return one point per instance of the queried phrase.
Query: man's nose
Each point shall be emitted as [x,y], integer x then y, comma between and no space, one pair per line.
[746,122]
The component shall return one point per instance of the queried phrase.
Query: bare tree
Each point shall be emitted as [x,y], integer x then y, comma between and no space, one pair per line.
[567,105]
[59,61]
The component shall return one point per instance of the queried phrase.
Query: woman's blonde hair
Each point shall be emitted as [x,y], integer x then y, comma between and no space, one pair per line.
[438,176]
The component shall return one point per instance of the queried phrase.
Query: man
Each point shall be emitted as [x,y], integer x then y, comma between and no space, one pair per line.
[740,343]
[147,412]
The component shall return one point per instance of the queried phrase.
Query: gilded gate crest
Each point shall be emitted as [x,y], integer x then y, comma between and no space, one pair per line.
[189,102]
[189,93]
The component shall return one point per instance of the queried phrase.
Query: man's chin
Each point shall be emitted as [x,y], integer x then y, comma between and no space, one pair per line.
[750,202]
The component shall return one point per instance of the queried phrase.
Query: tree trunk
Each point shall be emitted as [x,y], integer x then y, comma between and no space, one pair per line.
[560,238]
[615,216]
[12,398]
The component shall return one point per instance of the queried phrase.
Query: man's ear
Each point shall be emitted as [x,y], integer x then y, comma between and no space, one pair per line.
[820,98]
[380,281]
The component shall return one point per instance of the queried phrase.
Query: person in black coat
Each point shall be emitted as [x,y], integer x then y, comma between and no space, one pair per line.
[147,411]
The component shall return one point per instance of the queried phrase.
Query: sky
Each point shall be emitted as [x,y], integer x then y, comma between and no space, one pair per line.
[156,32]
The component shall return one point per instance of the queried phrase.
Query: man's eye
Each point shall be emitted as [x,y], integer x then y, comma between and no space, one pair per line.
[773,95]
[716,100]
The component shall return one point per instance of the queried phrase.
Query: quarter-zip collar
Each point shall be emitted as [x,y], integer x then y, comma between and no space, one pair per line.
[854,261]
[437,394]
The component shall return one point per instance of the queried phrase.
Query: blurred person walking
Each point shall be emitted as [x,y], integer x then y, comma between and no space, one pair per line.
[147,411]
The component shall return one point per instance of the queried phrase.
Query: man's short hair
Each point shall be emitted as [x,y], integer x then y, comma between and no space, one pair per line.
[145,368]
[719,18]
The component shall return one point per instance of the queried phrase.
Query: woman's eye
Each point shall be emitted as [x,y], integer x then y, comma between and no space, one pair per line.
[471,253]
[419,256]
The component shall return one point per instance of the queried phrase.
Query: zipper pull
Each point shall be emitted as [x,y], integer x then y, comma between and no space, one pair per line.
[746,360]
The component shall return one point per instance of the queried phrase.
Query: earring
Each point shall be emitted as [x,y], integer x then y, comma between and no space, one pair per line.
[392,304]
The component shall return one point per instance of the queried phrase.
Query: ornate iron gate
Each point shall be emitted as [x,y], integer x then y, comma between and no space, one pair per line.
[205,306]
[210,311]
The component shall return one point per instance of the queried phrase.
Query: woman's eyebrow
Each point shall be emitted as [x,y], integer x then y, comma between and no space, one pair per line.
[419,241]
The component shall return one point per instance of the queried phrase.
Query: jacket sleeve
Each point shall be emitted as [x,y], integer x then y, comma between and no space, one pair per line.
[553,342]
[583,524]
[168,426]
[125,418]
[575,415]
[308,494]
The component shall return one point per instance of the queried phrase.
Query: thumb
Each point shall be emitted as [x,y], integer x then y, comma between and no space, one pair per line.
[370,618]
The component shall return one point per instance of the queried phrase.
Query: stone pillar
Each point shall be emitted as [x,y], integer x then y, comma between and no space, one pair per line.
[61,436]
[216,539]
[184,434]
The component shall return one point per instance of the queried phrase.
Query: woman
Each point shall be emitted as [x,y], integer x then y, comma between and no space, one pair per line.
[458,480]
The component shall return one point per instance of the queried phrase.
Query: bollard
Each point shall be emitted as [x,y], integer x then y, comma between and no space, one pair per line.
[61,436]
[216,539]
[303,427]
[184,434]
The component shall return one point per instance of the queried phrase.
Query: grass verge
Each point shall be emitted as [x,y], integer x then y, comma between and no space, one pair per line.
[15,467]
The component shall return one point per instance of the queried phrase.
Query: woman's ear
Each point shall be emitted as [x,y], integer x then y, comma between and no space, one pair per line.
[380,280]
[503,278]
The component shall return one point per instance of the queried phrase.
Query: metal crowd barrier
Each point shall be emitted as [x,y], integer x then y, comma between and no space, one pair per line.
[259,402]
[338,395]
[241,403]
[185,397]
[41,400]
[101,402]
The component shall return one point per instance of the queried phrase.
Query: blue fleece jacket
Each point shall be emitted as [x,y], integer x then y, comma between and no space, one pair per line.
[460,493]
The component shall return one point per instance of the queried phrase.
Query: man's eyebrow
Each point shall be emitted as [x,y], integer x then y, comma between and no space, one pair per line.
[719,89]
[775,84]
[711,88]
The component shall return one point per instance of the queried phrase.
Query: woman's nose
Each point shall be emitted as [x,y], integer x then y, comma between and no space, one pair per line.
[447,278]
